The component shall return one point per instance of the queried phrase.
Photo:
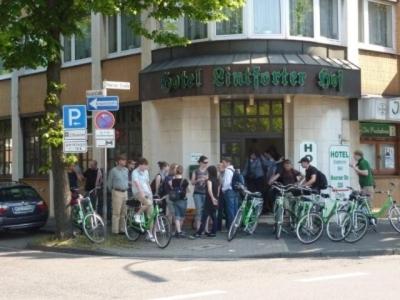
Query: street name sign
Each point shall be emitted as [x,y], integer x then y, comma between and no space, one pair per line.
[101,92]
[116,85]
[74,117]
[110,103]
[105,138]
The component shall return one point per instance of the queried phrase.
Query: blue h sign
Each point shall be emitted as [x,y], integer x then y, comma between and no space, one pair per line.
[74,117]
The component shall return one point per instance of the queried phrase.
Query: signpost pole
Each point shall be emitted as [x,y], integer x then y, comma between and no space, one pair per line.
[105,202]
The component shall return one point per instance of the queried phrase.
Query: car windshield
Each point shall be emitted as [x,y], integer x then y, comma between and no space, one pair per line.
[18,193]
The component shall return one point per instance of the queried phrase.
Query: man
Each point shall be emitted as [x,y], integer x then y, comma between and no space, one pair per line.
[314,178]
[364,172]
[142,191]
[254,173]
[118,185]
[229,195]
[93,179]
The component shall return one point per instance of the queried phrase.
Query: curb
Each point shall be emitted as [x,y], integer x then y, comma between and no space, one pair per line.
[289,255]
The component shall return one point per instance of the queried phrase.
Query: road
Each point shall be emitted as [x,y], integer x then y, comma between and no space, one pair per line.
[43,275]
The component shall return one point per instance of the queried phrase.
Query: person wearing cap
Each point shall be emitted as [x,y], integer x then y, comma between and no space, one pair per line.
[311,174]
[365,178]
[118,185]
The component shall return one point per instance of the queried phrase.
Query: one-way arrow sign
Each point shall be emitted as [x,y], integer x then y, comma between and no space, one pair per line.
[110,103]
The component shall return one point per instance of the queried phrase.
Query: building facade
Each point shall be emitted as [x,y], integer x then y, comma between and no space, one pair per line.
[280,73]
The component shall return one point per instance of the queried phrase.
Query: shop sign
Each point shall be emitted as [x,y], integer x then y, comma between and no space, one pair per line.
[181,81]
[194,157]
[377,129]
[339,161]
[309,149]
[394,109]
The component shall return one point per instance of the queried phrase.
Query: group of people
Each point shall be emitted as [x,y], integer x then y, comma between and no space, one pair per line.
[214,187]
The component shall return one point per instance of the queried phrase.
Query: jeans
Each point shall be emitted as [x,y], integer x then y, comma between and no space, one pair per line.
[231,206]
[199,201]
[221,211]
[212,213]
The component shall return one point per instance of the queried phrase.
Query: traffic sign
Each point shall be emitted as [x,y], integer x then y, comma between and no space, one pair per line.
[79,146]
[74,117]
[105,138]
[104,120]
[103,103]
[116,85]
[75,134]
[101,92]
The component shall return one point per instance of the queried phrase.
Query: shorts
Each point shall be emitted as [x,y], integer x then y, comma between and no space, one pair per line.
[148,201]
[199,201]
[180,209]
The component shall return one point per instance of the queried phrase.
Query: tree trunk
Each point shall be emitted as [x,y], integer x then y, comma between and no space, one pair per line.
[61,193]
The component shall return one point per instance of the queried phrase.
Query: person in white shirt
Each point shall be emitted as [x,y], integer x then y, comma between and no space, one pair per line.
[229,196]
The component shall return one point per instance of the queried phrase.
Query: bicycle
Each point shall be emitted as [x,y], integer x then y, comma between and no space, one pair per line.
[294,206]
[248,213]
[335,220]
[85,218]
[161,227]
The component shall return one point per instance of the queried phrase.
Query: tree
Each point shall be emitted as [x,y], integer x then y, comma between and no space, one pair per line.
[30,32]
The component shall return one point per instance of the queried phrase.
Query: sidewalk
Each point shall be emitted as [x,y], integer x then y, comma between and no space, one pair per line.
[260,245]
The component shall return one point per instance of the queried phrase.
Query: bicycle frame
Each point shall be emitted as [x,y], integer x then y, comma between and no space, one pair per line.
[147,222]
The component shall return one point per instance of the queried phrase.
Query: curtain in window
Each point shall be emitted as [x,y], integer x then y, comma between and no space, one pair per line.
[302,18]
[112,34]
[380,24]
[234,23]
[329,19]
[270,24]
[129,40]
[83,41]
[195,30]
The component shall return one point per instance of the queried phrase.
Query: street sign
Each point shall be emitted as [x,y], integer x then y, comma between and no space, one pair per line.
[74,117]
[116,85]
[75,134]
[105,138]
[104,120]
[102,92]
[103,103]
[309,149]
[339,166]
[72,146]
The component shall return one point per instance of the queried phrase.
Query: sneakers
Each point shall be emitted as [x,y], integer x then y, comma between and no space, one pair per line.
[195,236]
[150,237]
[137,218]
[211,235]
[180,235]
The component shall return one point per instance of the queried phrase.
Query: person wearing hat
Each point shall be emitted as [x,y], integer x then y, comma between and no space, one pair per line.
[312,174]
[365,178]
[118,185]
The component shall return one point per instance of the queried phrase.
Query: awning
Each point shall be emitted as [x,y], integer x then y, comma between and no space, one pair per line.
[258,74]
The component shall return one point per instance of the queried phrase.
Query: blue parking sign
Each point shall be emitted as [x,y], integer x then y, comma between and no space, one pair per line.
[74,117]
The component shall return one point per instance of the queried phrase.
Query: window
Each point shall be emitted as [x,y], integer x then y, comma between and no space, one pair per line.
[380,24]
[195,30]
[128,133]
[35,154]
[5,148]
[301,18]
[78,46]
[271,24]
[233,24]
[329,19]
[121,36]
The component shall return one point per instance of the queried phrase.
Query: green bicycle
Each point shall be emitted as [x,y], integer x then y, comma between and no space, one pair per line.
[325,214]
[157,222]
[85,218]
[358,218]
[248,213]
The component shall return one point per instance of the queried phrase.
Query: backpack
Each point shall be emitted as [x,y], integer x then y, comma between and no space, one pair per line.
[322,182]
[175,193]
[237,179]
[160,189]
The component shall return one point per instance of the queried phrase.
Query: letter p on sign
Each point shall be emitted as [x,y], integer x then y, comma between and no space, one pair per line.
[74,117]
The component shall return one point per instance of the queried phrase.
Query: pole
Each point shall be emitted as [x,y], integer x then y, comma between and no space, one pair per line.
[105,202]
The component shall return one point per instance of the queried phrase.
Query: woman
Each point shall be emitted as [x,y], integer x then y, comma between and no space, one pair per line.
[177,197]
[211,205]
[199,179]
[157,185]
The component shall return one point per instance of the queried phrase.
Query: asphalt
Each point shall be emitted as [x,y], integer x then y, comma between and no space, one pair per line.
[262,244]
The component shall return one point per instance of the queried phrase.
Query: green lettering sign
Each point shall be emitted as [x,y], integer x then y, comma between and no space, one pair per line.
[327,80]
[377,129]
[182,80]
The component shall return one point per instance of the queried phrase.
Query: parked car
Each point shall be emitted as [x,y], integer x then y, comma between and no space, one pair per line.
[21,207]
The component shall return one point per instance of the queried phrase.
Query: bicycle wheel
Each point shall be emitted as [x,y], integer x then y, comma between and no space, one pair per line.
[359,227]
[278,221]
[235,225]
[253,222]
[131,232]
[394,218]
[338,226]
[162,231]
[310,228]
[93,227]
